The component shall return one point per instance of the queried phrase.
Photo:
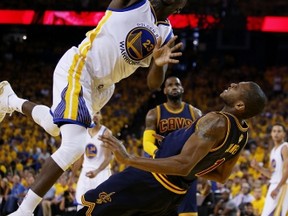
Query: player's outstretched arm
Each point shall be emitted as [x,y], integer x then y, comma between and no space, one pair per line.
[162,56]
[210,132]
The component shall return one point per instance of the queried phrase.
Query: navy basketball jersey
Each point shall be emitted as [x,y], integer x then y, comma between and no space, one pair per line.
[235,141]
[169,120]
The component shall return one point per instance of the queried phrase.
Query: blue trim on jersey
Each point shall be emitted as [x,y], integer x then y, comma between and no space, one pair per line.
[170,35]
[132,7]
[61,121]
[51,113]
[165,23]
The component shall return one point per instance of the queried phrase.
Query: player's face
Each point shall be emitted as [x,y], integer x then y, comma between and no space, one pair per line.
[178,6]
[278,134]
[170,7]
[173,88]
[97,117]
[234,92]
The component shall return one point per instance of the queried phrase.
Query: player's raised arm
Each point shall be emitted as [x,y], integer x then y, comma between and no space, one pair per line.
[162,56]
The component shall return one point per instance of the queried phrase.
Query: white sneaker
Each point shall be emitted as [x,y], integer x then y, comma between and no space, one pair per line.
[20,212]
[16,213]
[5,92]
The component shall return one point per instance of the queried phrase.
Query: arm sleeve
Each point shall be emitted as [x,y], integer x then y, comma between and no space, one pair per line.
[149,142]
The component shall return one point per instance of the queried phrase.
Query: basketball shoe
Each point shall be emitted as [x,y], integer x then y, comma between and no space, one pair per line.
[21,212]
[5,92]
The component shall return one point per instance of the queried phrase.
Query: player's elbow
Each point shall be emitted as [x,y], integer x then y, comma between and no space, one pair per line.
[183,170]
[222,181]
[221,178]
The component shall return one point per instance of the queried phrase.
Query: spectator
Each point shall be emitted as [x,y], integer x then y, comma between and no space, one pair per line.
[225,206]
[247,210]
[243,197]
[259,201]
[15,196]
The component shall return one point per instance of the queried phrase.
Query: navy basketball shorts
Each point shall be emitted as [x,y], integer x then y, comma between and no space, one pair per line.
[130,192]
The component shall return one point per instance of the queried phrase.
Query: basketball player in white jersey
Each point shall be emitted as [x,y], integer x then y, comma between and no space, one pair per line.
[276,202]
[132,34]
[95,161]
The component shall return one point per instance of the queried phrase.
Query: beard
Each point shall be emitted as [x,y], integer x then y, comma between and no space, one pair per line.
[174,98]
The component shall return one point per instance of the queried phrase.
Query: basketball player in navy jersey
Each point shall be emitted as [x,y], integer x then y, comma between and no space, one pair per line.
[132,34]
[165,118]
[209,148]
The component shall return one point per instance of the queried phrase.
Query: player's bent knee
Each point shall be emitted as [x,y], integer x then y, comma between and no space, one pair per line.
[65,155]
[53,130]
[72,145]
[41,115]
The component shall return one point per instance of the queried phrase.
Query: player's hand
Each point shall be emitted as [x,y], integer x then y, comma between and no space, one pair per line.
[91,174]
[166,54]
[158,137]
[274,193]
[116,146]
[254,164]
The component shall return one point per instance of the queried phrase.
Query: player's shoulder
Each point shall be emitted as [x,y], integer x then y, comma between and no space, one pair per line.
[107,131]
[152,113]
[214,119]
[196,110]
[285,146]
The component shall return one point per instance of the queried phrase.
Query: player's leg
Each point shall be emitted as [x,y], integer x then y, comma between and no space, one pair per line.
[188,205]
[70,150]
[82,187]
[270,203]
[10,102]
[72,113]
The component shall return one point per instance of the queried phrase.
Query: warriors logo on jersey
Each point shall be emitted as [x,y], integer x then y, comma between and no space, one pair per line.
[140,43]
[90,150]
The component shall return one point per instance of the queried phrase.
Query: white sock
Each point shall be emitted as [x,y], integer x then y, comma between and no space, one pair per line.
[30,202]
[16,103]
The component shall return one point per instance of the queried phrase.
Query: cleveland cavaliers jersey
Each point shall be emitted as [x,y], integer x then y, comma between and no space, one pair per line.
[169,120]
[235,141]
[276,163]
[93,156]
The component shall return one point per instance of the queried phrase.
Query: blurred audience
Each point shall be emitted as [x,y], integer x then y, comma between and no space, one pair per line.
[24,145]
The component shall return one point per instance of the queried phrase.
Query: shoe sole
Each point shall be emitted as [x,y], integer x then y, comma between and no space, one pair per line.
[2,84]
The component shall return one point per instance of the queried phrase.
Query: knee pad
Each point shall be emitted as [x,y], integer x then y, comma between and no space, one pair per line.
[41,115]
[72,145]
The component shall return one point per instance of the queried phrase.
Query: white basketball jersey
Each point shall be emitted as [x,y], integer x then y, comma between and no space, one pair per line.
[93,156]
[276,163]
[122,42]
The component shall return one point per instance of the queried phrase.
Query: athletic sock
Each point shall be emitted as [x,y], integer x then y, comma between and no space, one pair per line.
[16,103]
[30,202]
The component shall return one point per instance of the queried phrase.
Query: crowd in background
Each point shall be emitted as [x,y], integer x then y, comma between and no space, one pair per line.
[24,146]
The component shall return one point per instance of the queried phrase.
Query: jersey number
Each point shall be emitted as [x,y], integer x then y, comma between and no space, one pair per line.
[148,45]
